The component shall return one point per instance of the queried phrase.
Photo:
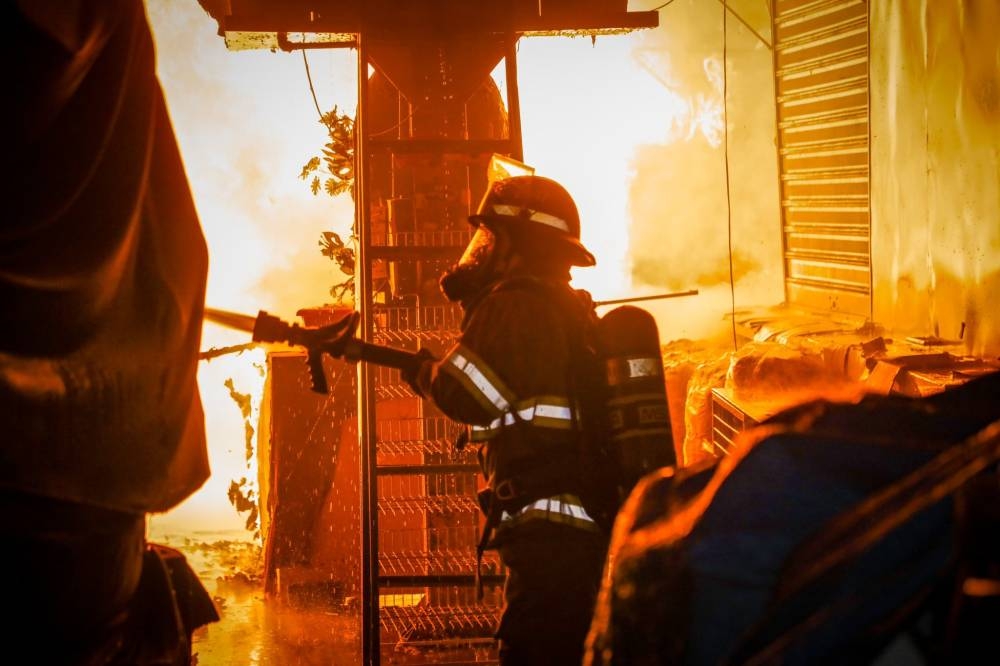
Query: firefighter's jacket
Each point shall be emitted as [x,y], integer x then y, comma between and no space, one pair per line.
[508,378]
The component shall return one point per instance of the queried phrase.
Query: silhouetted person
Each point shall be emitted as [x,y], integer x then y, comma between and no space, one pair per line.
[102,276]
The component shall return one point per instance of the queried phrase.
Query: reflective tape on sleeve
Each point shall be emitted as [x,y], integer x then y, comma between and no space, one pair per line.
[547,412]
[478,380]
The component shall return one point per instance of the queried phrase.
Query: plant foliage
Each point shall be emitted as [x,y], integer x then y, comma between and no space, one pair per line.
[333,246]
[333,170]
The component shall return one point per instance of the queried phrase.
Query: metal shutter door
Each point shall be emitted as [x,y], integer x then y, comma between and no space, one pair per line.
[821,83]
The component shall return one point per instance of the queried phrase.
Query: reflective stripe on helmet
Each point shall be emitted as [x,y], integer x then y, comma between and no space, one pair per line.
[532,215]
[478,380]
[567,509]
[543,411]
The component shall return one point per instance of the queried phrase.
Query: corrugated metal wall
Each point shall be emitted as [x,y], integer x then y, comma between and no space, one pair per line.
[821,83]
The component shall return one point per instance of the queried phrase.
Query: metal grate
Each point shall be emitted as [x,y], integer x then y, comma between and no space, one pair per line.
[420,512]
[399,324]
[443,504]
[821,87]
[440,562]
[456,239]
[454,624]
[728,421]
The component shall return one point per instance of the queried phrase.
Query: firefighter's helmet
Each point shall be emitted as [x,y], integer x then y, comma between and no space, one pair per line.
[536,209]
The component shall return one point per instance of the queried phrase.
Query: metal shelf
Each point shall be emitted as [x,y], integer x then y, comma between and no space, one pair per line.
[416,338]
[483,148]
[421,516]
[395,253]
[456,560]
[394,391]
[417,241]
[421,427]
[438,505]
[401,323]
[451,624]
[426,469]
[421,447]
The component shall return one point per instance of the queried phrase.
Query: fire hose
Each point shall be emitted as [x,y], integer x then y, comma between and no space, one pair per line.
[336,339]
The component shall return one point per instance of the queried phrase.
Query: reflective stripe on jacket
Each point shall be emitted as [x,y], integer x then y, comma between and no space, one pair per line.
[508,379]
[540,412]
[565,508]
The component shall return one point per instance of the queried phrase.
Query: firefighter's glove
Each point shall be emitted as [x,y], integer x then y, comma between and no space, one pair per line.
[335,339]
[417,373]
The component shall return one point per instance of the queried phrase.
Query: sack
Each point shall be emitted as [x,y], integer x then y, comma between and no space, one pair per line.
[829,533]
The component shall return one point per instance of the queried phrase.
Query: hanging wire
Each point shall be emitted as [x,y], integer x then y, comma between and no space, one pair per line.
[725,152]
[319,111]
[746,25]
[405,119]
[311,88]
[658,8]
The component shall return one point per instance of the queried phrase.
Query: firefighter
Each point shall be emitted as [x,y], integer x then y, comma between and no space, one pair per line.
[509,379]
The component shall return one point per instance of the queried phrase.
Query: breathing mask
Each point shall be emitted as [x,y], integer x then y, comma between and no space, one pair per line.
[475,270]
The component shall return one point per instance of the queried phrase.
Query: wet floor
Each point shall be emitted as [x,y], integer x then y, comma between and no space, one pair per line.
[257,631]
[254,631]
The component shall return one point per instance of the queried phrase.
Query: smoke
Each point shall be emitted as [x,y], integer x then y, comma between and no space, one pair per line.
[693,226]
[246,123]
[633,126]
[585,105]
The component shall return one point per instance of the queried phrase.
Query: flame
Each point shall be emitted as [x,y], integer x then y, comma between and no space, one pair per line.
[634,126]
[245,124]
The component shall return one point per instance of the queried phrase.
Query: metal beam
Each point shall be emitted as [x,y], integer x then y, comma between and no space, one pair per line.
[349,23]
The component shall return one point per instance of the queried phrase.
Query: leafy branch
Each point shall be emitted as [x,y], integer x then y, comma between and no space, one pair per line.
[333,172]
[333,246]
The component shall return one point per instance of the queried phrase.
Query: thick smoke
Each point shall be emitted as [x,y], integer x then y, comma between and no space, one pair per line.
[246,123]
[685,234]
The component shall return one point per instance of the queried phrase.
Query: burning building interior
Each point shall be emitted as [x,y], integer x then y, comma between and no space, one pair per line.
[808,206]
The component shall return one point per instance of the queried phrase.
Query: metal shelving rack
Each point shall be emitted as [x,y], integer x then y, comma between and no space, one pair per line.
[419,508]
